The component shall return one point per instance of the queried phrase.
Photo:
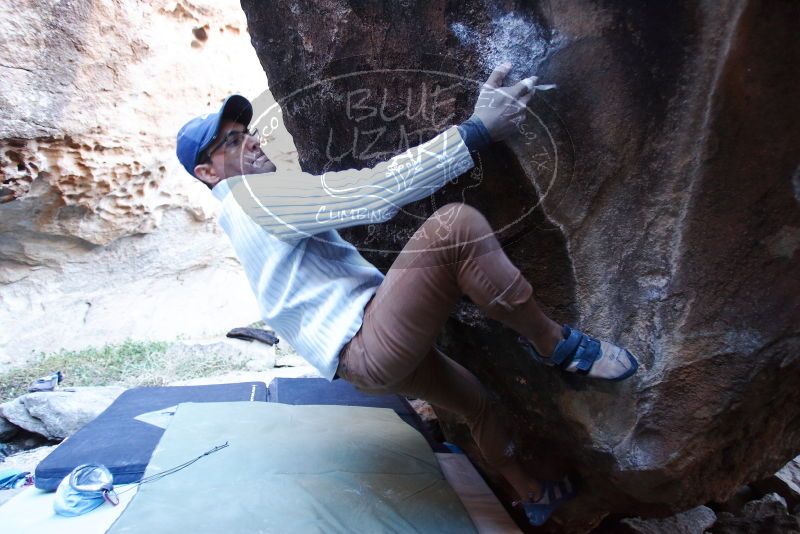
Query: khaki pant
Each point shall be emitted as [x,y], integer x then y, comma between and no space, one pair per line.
[453,253]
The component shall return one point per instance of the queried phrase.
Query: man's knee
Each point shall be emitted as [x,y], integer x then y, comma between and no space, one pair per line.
[461,210]
[459,216]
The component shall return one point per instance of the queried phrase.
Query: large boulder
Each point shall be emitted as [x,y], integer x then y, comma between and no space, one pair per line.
[59,414]
[103,235]
[652,198]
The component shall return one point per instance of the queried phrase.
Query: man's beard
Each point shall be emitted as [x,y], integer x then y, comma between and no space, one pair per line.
[254,163]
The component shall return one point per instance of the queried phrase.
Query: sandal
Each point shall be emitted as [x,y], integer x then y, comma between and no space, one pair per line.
[554,494]
[583,354]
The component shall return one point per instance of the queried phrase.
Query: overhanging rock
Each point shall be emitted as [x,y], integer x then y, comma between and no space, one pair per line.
[653,198]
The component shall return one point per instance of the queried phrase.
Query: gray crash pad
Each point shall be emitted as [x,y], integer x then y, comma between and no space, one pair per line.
[293,469]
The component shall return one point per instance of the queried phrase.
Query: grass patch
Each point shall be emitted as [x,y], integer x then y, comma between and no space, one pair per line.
[129,364]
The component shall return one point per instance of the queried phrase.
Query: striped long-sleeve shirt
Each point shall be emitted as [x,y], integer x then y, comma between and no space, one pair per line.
[312,285]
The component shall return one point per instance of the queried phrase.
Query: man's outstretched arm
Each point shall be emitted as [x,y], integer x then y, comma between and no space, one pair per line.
[292,206]
[295,205]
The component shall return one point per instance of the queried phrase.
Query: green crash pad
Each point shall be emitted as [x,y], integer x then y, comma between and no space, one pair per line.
[293,469]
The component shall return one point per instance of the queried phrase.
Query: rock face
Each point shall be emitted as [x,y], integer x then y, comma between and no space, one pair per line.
[653,198]
[103,235]
[59,414]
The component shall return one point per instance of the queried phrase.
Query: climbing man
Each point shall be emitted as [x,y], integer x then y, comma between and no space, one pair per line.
[378,332]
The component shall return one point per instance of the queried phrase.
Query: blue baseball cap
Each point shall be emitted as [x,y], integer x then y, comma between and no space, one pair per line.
[199,133]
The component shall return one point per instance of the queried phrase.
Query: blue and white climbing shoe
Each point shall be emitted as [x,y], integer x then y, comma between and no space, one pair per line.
[583,354]
[554,494]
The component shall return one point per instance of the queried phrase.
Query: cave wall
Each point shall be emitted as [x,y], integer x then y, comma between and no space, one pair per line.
[653,198]
[103,235]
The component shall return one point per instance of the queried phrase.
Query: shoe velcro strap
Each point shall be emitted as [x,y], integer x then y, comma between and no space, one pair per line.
[565,350]
[589,354]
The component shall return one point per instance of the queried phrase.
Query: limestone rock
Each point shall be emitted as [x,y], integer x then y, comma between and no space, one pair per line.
[59,414]
[694,521]
[103,235]
[653,198]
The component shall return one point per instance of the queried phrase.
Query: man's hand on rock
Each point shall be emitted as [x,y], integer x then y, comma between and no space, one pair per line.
[501,109]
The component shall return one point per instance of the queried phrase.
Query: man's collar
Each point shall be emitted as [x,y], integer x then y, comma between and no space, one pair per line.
[221,189]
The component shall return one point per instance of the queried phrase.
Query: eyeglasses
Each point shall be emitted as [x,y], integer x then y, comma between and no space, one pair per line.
[232,141]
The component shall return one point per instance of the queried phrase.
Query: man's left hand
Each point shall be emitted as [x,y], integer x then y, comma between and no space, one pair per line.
[501,109]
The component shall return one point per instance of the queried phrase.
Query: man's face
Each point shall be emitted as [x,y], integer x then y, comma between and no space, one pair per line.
[234,153]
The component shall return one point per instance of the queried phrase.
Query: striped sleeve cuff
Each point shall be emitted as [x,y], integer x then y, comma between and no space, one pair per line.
[474,134]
